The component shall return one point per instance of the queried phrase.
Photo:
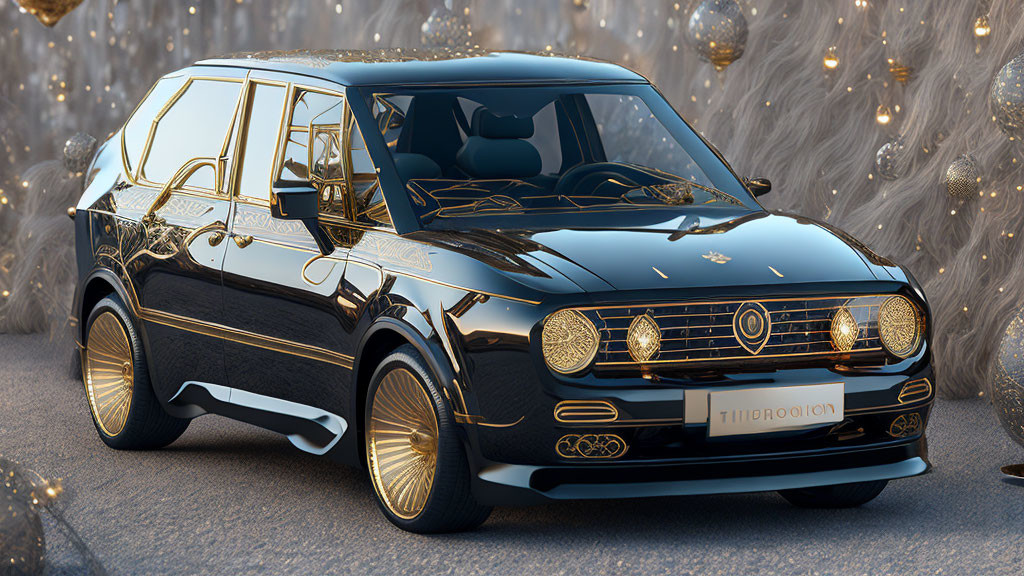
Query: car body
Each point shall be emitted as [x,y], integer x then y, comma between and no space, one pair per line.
[587,321]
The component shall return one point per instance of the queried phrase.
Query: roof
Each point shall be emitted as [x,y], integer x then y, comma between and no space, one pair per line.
[398,66]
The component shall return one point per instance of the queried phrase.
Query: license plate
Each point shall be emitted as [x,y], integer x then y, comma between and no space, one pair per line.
[761,410]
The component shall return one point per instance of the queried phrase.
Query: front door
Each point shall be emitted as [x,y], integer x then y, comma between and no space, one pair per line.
[279,290]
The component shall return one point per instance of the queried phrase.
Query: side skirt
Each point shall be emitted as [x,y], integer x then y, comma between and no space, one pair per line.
[309,429]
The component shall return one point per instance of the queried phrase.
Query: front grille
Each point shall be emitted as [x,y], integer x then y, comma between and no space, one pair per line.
[703,332]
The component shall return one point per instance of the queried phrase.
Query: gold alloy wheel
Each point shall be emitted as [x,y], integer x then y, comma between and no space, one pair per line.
[109,375]
[402,443]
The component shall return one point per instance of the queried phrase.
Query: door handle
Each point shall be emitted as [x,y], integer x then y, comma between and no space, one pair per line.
[216,238]
[243,241]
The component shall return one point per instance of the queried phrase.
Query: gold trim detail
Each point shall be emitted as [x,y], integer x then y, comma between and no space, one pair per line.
[915,390]
[401,443]
[906,425]
[900,326]
[643,339]
[246,338]
[585,411]
[752,326]
[591,446]
[109,373]
[844,330]
[569,341]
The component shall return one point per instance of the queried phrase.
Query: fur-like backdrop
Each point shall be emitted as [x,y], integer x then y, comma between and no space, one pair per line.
[775,112]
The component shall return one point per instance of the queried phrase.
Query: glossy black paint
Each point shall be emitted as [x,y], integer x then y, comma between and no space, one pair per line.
[225,293]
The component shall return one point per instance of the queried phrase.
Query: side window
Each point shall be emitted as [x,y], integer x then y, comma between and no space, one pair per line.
[196,125]
[136,130]
[263,123]
[306,105]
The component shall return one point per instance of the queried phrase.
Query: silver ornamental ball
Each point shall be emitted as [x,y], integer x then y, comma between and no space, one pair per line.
[963,178]
[718,32]
[445,28]
[890,160]
[1006,98]
[1007,379]
[78,151]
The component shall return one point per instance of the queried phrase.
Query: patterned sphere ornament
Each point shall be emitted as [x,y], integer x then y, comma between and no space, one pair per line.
[963,178]
[445,28]
[1006,97]
[1007,379]
[718,32]
[78,151]
[49,12]
[890,161]
[22,543]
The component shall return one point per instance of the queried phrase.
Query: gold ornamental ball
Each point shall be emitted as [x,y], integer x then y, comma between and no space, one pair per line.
[963,178]
[580,5]
[1007,378]
[718,32]
[1006,97]
[49,12]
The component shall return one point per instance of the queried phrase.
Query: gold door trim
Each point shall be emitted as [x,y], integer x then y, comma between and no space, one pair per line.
[247,338]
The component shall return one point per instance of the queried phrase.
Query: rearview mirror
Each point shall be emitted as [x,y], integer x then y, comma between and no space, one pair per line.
[758,186]
[300,203]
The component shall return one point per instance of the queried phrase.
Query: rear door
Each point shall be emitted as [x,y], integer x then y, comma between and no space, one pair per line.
[175,220]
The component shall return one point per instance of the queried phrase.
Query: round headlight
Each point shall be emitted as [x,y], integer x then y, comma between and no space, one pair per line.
[569,341]
[900,326]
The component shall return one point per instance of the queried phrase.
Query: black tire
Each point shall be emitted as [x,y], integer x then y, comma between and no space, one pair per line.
[147,426]
[450,505]
[837,496]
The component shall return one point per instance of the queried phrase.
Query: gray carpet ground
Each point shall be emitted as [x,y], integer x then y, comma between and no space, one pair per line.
[228,498]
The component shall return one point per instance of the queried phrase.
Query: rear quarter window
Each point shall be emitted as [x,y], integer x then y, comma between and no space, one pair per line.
[136,130]
[195,125]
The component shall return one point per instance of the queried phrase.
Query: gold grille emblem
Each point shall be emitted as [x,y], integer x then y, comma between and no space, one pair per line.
[643,338]
[751,326]
[845,330]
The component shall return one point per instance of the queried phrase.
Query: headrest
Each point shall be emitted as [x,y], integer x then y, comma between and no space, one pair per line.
[492,158]
[486,124]
[415,166]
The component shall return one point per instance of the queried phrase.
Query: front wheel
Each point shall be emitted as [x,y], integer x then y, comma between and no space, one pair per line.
[416,460]
[837,496]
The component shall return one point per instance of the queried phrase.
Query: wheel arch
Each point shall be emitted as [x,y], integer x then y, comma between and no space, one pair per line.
[382,337]
[97,286]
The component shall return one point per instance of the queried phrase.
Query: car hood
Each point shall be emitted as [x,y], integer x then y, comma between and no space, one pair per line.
[753,249]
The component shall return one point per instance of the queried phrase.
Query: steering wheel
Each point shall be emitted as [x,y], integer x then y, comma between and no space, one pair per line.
[603,179]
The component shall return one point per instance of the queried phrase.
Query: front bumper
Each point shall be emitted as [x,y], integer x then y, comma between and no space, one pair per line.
[524,484]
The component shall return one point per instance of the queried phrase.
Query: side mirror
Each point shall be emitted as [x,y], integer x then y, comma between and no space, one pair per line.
[758,186]
[300,203]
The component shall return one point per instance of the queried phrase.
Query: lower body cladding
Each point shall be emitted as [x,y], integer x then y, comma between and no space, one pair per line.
[758,432]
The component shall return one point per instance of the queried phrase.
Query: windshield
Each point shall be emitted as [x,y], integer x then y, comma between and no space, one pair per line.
[561,156]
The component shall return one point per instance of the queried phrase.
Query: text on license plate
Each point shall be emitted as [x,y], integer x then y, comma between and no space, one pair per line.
[761,410]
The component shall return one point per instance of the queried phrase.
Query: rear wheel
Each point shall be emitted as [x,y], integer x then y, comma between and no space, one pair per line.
[837,496]
[124,408]
[416,460]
